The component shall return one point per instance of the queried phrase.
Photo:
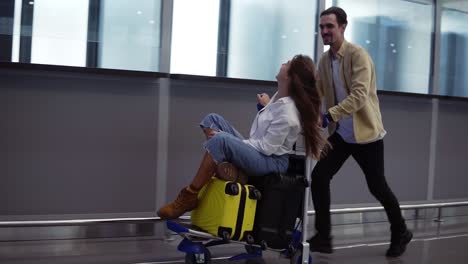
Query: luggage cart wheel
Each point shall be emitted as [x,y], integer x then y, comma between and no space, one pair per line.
[232,188]
[257,194]
[252,249]
[291,250]
[263,245]
[203,258]
[297,258]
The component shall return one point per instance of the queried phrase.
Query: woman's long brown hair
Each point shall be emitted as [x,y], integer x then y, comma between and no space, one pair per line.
[304,92]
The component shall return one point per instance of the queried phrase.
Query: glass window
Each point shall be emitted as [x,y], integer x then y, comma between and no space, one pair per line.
[194,37]
[397,35]
[454,48]
[129,34]
[7,10]
[242,38]
[265,33]
[59,32]
[116,34]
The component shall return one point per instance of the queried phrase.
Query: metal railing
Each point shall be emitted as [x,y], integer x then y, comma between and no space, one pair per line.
[73,222]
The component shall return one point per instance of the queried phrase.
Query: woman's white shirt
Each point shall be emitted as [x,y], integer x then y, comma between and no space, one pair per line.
[276,127]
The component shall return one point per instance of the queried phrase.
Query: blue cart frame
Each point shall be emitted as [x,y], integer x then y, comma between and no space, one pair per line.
[195,243]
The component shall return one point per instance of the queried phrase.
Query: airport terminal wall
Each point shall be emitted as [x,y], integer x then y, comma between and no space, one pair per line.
[93,143]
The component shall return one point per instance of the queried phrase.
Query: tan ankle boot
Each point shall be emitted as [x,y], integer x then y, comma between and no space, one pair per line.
[185,201]
[228,172]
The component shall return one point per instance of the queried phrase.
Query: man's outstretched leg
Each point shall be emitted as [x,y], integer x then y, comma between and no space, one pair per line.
[324,170]
[370,158]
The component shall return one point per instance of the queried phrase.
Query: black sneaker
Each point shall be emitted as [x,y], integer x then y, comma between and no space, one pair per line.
[398,244]
[320,244]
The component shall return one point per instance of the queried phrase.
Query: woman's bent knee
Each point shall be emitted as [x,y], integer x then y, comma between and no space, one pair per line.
[212,117]
[211,120]
[224,139]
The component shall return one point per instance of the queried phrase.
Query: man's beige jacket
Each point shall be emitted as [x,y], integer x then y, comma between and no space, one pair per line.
[358,76]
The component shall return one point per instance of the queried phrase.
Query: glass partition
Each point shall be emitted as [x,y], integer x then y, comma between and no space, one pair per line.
[454,49]
[239,39]
[59,32]
[7,10]
[242,38]
[114,34]
[265,33]
[194,37]
[129,34]
[398,36]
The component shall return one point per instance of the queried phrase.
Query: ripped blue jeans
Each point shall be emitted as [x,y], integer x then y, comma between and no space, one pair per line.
[227,145]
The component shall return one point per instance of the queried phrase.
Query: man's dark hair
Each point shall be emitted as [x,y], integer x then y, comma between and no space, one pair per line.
[338,12]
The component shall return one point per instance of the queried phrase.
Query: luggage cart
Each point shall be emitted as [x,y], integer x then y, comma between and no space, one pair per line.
[195,243]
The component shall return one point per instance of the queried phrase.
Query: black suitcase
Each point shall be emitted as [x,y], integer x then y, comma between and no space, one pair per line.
[280,205]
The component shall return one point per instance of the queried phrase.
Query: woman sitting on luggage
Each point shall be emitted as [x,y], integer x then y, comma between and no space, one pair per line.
[294,108]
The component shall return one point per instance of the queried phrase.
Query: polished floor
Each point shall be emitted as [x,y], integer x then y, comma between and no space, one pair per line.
[434,242]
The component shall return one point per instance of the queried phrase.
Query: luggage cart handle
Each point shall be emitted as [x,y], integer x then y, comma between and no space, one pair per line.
[309,165]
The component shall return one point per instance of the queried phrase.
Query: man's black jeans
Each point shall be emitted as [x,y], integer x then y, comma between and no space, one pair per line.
[370,158]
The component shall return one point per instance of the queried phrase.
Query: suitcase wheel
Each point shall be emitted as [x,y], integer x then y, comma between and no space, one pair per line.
[232,189]
[225,235]
[255,194]
[203,258]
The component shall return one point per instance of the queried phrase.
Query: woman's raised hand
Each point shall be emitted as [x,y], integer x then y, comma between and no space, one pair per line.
[263,99]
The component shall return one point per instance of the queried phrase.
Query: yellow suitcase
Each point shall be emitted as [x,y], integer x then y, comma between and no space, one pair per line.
[226,209]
